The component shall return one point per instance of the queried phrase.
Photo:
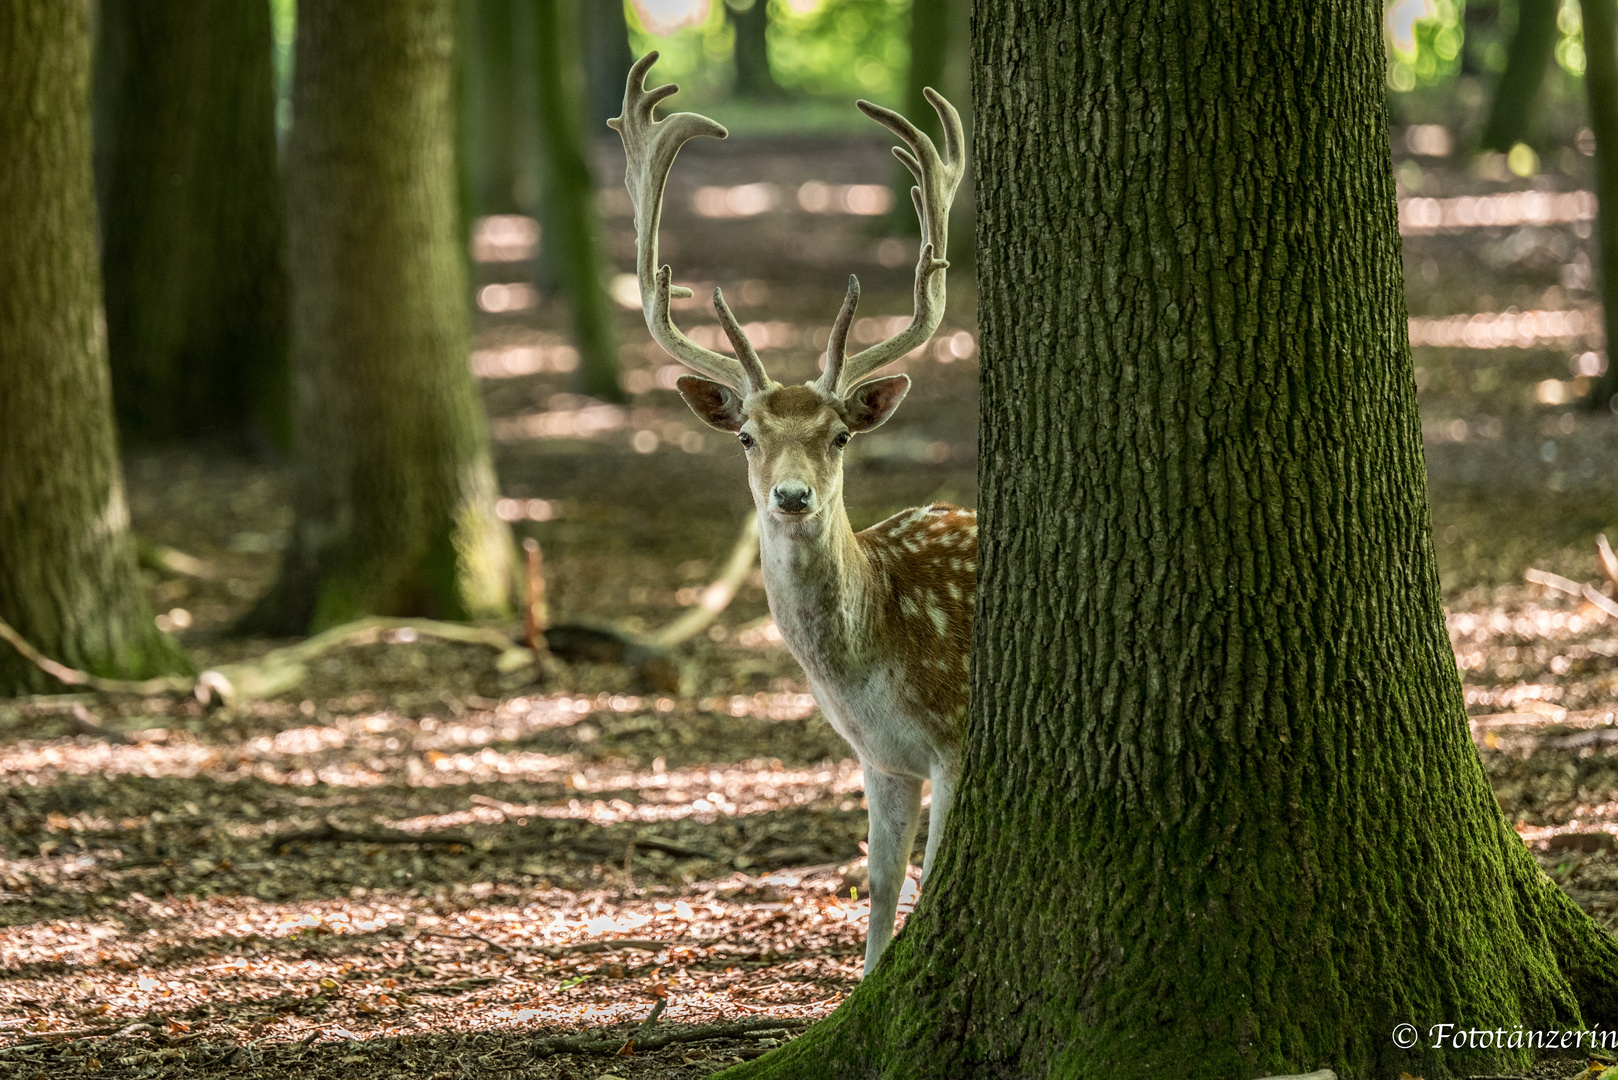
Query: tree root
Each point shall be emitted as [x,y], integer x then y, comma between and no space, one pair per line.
[282,669]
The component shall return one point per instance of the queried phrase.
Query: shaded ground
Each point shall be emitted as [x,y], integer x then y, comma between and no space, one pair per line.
[413,864]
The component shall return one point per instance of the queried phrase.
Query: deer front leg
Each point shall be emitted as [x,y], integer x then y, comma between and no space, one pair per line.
[895,803]
[943,795]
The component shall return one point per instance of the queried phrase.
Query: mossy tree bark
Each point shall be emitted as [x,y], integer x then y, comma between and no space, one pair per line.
[1516,92]
[1601,86]
[572,221]
[395,490]
[68,581]
[1221,815]
[192,225]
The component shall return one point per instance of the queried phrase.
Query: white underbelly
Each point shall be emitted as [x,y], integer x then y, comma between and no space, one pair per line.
[873,718]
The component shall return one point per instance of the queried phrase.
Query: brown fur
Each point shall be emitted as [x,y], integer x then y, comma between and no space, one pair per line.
[916,556]
[793,402]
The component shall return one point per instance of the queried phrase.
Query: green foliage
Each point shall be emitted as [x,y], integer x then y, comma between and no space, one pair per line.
[1424,42]
[1570,38]
[822,48]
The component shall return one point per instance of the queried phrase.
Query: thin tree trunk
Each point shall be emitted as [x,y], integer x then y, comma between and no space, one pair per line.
[1517,89]
[488,60]
[1601,84]
[606,34]
[939,58]
[68,581]
[395,491]
[754,79]
[191,213]
[1221,815]
[574,221]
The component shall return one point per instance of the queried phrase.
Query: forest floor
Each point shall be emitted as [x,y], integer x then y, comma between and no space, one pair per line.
[414,864]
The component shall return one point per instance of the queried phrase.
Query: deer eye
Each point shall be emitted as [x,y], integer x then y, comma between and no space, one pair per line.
[841,440]
[746,440]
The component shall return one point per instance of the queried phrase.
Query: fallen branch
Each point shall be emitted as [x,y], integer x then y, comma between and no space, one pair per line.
[495,945]
[1553,581]
[1609,561]
[645,1028]
[169,560]
[667,1035]
[88,725]
[279,670]
[1601,600]
[717,596]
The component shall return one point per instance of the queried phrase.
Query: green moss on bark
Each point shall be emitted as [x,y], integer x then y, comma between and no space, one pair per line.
[395,490]
[68,581]
[1221,813]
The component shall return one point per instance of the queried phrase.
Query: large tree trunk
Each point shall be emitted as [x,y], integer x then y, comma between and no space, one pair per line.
[573,223]
[67,561]
[395,492]
[1517,89]
[191,213]
[1221,815]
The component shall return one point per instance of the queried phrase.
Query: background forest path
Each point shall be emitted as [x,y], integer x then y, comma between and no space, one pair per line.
[412,853]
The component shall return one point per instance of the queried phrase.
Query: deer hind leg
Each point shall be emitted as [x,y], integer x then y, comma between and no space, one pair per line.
[895,803]
[943,795]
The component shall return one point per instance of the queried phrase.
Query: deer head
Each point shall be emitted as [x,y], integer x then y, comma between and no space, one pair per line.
[793,435]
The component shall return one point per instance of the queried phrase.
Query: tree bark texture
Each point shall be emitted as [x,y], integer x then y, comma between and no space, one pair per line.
[573,221]
[1517,90]
[1601,84]
[192,219]
[68,581]
[1221,815]
[395,491]
[754,79]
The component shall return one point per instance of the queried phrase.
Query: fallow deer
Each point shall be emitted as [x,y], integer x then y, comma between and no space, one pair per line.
[880,620]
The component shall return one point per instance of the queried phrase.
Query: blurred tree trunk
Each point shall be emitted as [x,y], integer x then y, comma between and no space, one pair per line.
[68,581]
[1217,758]
[191,213]
[606,33]
[489,117]
[395,491]
[940,57]
[754,79]
[1601,84]
[1518,87]
[573,222]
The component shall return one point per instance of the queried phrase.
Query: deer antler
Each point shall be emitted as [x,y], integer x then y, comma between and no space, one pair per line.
[650,147]
[936,180]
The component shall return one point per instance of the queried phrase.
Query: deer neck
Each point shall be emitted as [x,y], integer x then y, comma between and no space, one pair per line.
[816,583]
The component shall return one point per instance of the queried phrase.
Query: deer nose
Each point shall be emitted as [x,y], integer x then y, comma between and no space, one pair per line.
[791,496]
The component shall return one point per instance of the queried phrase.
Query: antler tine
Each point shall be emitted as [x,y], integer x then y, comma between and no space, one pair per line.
[752,367]
[837,347]
[937,177]
[650,147]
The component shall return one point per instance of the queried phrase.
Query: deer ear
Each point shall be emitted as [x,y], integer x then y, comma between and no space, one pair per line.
[870,404]
[715,404]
